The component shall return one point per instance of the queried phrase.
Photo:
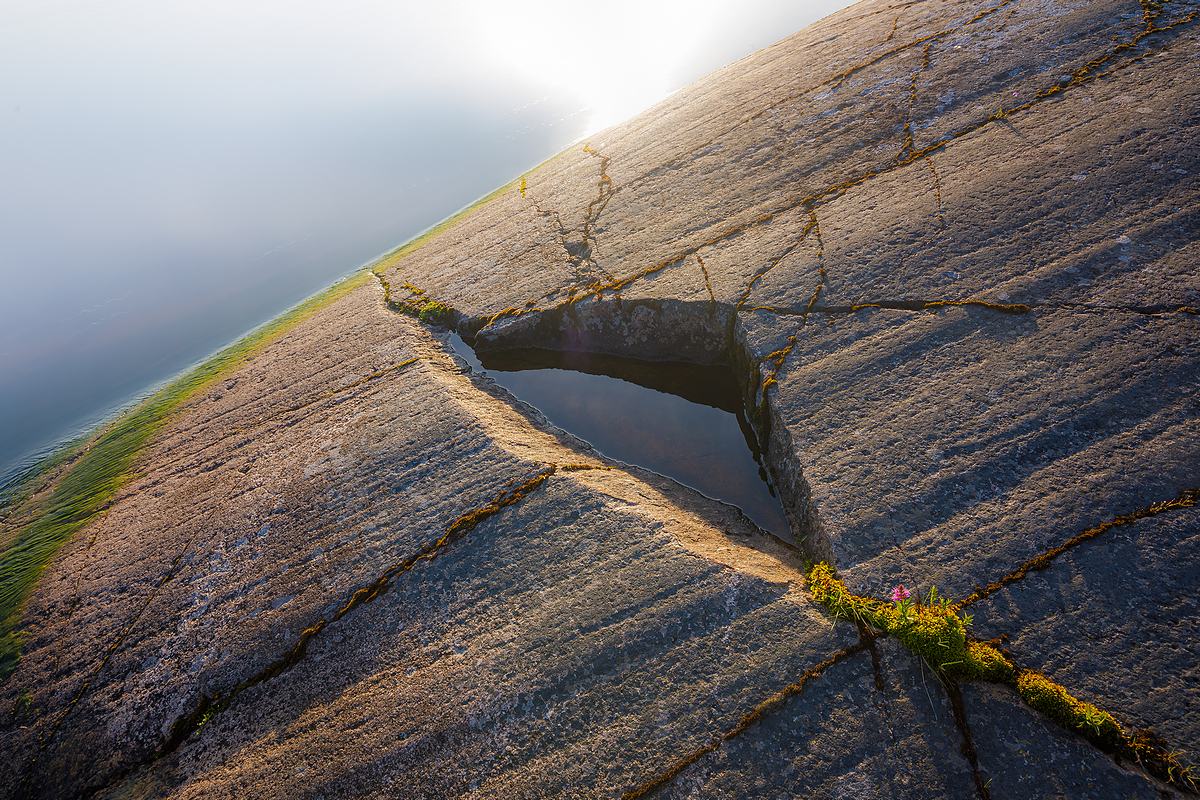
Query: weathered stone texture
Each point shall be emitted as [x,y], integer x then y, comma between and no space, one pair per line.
[950,249]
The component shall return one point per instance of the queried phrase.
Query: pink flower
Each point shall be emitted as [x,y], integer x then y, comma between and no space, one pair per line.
[900,593]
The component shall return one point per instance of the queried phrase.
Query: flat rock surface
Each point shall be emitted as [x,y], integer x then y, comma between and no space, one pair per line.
[949,250]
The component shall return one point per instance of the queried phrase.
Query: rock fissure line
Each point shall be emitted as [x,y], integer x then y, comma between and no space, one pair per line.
[1144,748]
[937,193]
[558,223]
[833,82]
[1079,77]
[1011,12]
[822,275]
[778,357]
[764,709]
[835,191]
[1150,311]
[578,254]
[1003,308]
[897,305]
[707,284]
[24,789]
[605,192]
[838,79]
[954,693]
[808,228]
[1187,499]
[908,146]
[935,633]
[186,724]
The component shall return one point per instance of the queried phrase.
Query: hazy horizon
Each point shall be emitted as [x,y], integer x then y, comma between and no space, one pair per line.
[177,174]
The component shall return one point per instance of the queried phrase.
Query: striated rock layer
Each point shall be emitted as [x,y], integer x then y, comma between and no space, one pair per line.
[949,248]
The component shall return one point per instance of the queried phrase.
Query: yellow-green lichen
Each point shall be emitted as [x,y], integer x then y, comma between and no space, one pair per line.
[436,313]
[932,630]
[1055,702]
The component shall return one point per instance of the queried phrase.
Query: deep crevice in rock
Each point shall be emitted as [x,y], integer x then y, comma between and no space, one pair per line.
[671,330]
[685,421]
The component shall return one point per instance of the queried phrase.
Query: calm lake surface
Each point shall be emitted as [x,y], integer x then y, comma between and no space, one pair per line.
[684,421]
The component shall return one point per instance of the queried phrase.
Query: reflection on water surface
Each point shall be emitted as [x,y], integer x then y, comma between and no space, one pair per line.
[685,421]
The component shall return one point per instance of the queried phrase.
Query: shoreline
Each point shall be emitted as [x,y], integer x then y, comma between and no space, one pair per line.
[49,513]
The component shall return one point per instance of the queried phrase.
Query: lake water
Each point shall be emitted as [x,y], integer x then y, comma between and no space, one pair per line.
[684,421]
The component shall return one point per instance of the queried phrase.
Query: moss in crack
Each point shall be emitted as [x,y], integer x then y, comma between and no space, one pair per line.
[417,304]
[764,709]
[436,313]
[934,631]
[208,714]
[1055,702]
[778,357]
[207,706]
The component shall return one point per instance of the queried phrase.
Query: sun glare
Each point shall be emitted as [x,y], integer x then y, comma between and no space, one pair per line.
[618,57]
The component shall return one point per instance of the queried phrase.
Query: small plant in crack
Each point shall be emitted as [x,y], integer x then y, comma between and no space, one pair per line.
[436,313]
[23,703]
[900,596]
[208,714]
[1092,718]
[1176,772]
[933,629]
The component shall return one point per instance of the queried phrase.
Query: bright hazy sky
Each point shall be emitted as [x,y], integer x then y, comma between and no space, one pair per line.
[175,172]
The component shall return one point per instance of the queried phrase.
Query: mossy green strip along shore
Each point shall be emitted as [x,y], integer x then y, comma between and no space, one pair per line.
[107,462]
[104,463]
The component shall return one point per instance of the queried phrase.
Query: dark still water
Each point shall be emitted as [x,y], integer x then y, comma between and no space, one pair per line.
[684,421]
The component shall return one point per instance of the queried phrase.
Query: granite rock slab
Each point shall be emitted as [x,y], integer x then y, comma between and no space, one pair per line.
[948,249]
